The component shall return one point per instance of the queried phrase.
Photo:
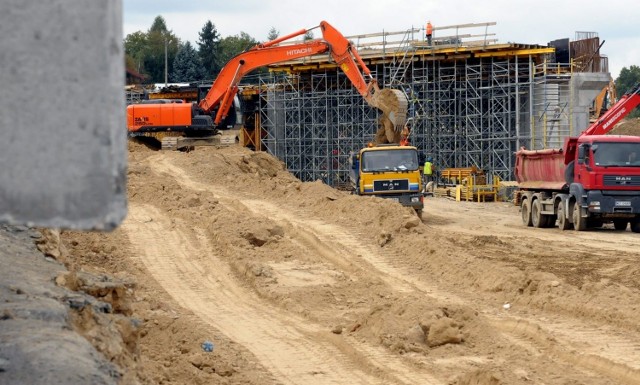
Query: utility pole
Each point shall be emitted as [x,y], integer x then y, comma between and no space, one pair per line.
[166,42]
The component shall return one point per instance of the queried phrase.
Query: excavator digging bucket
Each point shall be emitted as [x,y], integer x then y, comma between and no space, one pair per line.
[393,104]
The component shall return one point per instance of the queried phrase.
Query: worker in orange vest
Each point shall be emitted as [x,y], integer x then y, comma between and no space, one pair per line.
[429,30]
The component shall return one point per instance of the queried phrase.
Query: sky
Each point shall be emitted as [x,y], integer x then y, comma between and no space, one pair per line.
[531,22]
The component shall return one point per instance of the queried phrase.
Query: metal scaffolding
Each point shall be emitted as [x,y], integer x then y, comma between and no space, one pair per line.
[471,112]
[463,113]
[465,109]
[312,123]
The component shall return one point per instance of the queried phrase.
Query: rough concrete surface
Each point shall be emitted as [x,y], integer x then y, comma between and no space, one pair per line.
[38,344]
[62,114]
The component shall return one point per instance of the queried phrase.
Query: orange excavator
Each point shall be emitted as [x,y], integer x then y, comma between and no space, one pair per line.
[204,118]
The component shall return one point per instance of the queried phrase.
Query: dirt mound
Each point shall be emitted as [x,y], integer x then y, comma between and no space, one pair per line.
[627,127]
[294,281]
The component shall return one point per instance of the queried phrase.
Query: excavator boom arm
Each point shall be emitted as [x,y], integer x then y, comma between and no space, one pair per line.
[346,56]
[226,84]
[393,103]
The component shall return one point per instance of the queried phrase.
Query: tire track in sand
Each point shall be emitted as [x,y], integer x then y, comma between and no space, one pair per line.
[294,350]
[616,357]
[587,348]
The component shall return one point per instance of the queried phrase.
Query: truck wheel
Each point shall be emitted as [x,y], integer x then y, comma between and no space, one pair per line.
[635,225]
[537,220]
[563,221]
[419,213]
[579,223]
[620,224]
[526,213]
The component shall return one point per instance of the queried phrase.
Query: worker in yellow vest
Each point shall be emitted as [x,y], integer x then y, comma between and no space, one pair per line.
[427,177]
[427,171]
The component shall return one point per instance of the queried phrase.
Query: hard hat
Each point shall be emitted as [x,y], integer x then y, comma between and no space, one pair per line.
[429,159]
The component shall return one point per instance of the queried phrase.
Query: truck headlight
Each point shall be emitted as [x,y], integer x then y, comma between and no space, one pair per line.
[415,199]
[594,205]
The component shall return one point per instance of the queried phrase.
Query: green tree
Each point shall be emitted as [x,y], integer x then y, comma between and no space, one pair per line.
[273,34]
[147,50]
[135,46]
[628,78]
[131,63]
[154,60]
[230,46]
[187,66]
[208,49]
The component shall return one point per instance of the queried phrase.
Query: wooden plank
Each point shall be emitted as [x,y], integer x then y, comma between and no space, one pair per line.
[517,52]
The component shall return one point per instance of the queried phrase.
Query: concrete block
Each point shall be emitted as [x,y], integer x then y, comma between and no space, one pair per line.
[62,114]
[586,86]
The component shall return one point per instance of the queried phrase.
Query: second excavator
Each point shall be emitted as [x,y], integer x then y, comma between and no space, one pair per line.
[198,120]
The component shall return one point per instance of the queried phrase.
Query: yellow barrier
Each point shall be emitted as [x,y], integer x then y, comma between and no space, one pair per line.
[471,184]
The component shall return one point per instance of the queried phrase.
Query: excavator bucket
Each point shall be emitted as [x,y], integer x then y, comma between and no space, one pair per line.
[393,104]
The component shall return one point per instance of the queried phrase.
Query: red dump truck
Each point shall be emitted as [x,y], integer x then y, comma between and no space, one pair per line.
[594,179]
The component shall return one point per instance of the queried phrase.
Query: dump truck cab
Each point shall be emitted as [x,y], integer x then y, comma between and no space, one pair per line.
[594,179]
[388,171]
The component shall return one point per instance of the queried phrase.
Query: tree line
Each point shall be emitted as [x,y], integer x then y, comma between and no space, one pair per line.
[145,52]
[628,78]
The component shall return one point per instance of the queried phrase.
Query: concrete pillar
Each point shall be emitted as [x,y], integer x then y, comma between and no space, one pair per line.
[63,142]
[585,87]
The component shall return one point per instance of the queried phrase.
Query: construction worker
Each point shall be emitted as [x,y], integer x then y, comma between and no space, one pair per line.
[429,30]
[427,171]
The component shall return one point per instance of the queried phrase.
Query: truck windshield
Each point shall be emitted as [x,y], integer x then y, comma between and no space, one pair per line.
[390,160]
[616,154]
